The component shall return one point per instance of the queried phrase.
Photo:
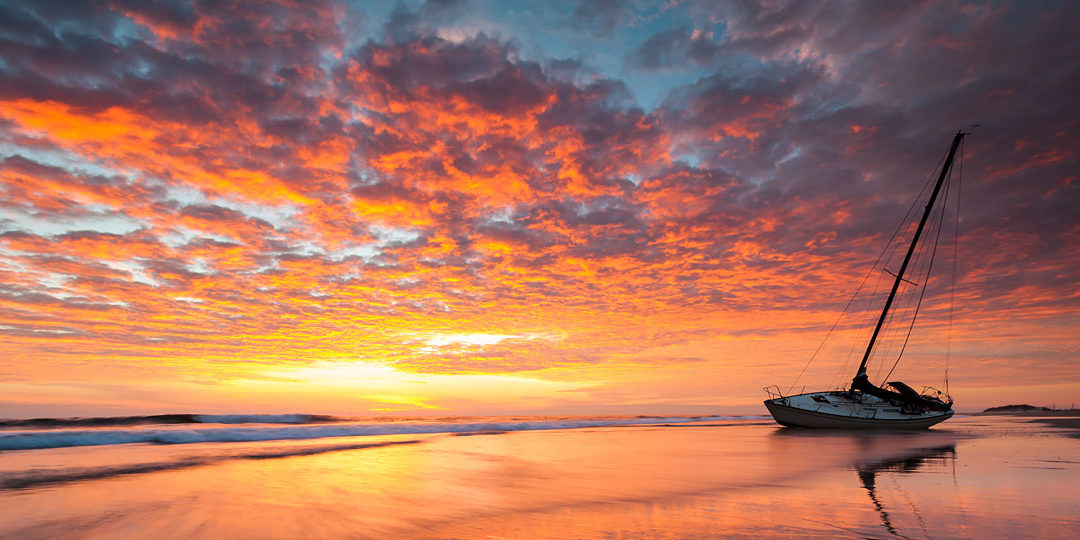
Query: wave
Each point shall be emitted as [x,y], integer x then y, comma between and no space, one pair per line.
[31,440]
[108,421]
[266,418]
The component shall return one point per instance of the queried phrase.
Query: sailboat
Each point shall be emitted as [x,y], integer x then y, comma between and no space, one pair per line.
[865,405]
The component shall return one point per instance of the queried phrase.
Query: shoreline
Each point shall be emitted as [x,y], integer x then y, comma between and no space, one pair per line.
[1065,419]
[1033,414]
[1002,476]
[1072,424]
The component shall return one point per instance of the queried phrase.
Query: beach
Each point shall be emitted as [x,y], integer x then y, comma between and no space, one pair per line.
[972,477]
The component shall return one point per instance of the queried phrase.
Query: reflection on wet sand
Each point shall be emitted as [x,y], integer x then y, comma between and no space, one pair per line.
[868,473]
[981,478]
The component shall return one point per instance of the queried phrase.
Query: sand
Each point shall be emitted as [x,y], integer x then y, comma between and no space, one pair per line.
[1069,423]
[971,477]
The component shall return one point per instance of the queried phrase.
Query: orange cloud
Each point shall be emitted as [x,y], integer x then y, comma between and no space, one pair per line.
[244,194]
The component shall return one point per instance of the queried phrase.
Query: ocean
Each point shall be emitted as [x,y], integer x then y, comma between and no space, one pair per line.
[310,476]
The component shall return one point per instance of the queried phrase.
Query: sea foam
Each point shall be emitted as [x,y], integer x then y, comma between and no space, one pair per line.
[57,438]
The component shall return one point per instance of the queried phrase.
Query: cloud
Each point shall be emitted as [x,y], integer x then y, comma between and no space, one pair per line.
[601,17]
[266,181]
[405,25]
[674,47]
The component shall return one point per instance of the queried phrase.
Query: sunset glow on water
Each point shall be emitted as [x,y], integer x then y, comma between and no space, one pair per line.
[984,477]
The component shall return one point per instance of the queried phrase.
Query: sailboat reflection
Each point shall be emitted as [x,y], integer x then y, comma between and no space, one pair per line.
[868,473]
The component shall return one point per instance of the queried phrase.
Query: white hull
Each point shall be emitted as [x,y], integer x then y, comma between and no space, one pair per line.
[843,410]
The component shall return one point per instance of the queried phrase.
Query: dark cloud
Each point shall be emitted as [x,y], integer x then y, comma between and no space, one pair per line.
[675,48]
[214,213]
[601,17]
[509,91]
[405,25]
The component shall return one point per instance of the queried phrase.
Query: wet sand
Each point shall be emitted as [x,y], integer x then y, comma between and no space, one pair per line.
[1066,418]
[973,477]
[1068,423]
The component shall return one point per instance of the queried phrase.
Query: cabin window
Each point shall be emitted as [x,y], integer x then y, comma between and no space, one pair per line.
[821,399]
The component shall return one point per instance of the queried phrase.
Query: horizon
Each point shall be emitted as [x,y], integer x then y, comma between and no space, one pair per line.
[479,208]
[762,413]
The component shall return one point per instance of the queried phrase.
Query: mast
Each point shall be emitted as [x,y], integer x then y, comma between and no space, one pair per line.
[907,258]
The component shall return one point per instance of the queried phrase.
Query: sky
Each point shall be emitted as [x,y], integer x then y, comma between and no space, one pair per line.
[471,207]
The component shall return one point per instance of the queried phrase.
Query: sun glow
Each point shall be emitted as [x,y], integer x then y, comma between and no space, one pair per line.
[276,207]
[383,388]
